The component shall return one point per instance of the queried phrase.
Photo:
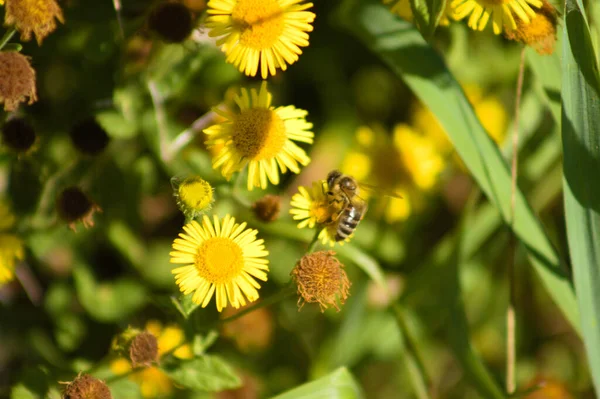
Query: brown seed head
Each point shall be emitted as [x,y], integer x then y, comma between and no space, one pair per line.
[74,205]
[143,349]
[18,80]
[171,21]
[540,33]
[87,387]
[321,278]
[18,135]
[33,16]
[267,208]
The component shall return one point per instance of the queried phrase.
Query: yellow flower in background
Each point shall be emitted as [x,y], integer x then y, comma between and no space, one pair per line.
[154,382]
[261,137]
[221,258]
[7,218]
[419,156]
[268,33]
[489,110]
[11,251]
[403,9]
[501,12]
[33,16]
[356,164]
[311,207]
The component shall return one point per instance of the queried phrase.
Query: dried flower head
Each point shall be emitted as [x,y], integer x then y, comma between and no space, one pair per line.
[540,33]
[194,195]
[171,21]
[267,208]
[89,137]
[321,278]
[143,349]
[18,135]
[74,205]
[33,16]
[18,80]
[87,387]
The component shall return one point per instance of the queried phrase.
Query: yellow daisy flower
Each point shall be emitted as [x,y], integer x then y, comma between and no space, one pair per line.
[11,251]
[311,207]
[265,32]
[220,258]
[500,11]
[260,136]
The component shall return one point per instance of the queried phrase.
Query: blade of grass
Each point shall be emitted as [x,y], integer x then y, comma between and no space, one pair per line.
[418,64]
[581,148]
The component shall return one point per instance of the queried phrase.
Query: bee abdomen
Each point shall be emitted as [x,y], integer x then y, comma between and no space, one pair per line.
[346,226]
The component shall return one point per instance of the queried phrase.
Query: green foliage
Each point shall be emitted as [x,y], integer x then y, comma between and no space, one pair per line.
[338,385]
[581,142]
[208,373]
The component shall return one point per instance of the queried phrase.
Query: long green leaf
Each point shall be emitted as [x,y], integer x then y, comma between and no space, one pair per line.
[581,146]
[424,71]
[338,385]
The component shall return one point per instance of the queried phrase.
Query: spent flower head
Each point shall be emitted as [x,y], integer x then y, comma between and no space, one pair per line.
[86,387]
[221,258]
[18,80]
[265,33]
[194,195]
[36,17]
[501,12]
[73,205]
[89,137]
[320,277]
[18,135]
[260,137]
[171,21]
[267,208]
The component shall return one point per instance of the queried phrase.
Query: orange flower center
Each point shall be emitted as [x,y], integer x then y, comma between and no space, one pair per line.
[261,22]
[219,260]
[258,133]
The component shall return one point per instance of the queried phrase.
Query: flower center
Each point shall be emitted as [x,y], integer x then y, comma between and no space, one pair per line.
[260,22]
[219,260]
[258,133]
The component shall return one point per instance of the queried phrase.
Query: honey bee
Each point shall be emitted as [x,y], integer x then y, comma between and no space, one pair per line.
[347,207]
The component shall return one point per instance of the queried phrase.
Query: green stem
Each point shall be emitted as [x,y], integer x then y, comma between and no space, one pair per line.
[235,193]
[416,364]
[281,295]
[6,38]
[314,241]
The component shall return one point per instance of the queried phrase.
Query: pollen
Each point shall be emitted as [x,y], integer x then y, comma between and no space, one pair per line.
[219,260]
[258,133]
[320,277]
[261,22]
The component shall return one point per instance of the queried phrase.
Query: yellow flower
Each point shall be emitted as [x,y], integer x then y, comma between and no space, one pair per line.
[403,9]
[265,32]
[220,258]
[419,156]
[311,207]
[33,16]
[153,381]
[260,136]
[540,33]
[194,196]
[11,251]
[399,209]
[356,164]
[500,11]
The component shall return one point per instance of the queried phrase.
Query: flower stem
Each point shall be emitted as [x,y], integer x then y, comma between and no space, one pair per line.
[314,241]
[235,193]
[281,295]
[6,38]
[186,136]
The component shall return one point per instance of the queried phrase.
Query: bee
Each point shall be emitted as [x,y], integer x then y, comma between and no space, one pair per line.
[346,206]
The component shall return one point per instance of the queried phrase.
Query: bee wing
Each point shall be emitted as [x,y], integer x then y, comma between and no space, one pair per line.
[379,190]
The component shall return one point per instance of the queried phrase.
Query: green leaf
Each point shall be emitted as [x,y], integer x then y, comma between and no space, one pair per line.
[581,148]
[208,373]
[340,384]
[427,14]
[184,305]
[364,261]
[424,71]
[108,301]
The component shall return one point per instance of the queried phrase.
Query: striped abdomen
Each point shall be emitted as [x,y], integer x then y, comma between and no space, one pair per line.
[347,222]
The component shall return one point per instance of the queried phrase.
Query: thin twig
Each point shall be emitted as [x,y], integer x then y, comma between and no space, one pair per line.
[117,6]
[511,354]
[161,121]
[185,137]
[6,38]
[29,282]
